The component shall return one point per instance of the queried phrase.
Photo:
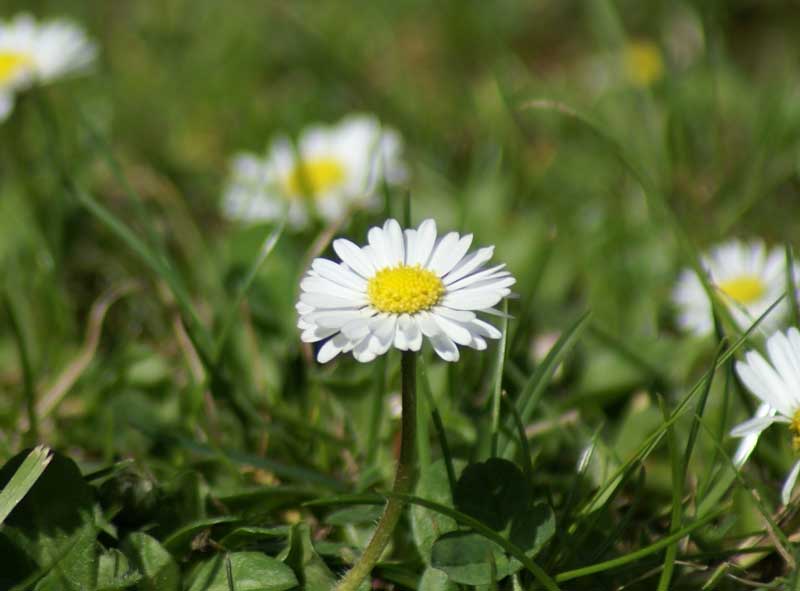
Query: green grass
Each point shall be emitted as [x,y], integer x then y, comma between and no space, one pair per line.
[152,344]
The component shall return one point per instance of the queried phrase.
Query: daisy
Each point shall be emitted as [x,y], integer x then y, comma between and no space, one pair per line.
[777,384]
[400,287]
[748,278]
[643,63]
[331,168]
[32,53]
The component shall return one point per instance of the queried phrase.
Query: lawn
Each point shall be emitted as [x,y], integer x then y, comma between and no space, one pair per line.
[192,399]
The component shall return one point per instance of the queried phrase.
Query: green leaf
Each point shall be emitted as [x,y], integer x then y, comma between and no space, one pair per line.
[467,558]
[180,539]
[311,570]
[251,571]
[471,559]
[53,524]
[23,479]
[114,571]
[427,525]
[354,516]
[435,580]
[493,492]
[158,568]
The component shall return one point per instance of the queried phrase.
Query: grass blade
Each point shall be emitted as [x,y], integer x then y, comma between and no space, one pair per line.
[158,265]
[498,380]
[23,479]
[266,249]
[536,385]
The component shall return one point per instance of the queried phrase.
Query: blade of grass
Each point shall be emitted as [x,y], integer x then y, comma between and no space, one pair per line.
[23,479]
[791,287]
[652,441]
[158,265]
[782,542]
[23,350]
[376,411]
[639,554]
[437,423]
[655,198]
[679,474]
[103,148]
[677,471]
[498,380]
[233,309]
[539,380]
[527,465]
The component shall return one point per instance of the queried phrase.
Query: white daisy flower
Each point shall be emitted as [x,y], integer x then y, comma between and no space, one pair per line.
[333,168]
[400,287]
[777,384]
[32,53]
[748,278]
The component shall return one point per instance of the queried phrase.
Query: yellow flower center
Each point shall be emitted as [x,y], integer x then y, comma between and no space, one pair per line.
[404,289]
[314,177]
[643,62]
[743,290]
[794,427]
[12,64]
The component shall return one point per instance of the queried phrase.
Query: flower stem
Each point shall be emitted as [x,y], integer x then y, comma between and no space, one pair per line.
[403,481]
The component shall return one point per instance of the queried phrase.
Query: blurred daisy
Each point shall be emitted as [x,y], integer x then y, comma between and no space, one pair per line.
[400,287]
[331,168]
[747,277]
[32,53]
[777,384]
[642,62]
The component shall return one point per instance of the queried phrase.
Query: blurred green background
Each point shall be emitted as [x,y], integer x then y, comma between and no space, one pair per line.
[688,120]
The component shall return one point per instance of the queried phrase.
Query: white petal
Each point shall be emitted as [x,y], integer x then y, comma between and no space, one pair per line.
[469,264]
[749,442]
[326,301]
[353,256]
[754,381]
[362,351]
[783,357]
[484,329]
[332,348]
[324,286]
[496,283]
[457,332]
[756,425]
[444,259]
[424,243]
[483,274]
[378,247]
[412,333]
[356,329]
[478,343]
[395,244]
[458,315]
[333,318]
[410,238]
[443,252]
[473,300]
[786,491]
[316,333]
[444,347]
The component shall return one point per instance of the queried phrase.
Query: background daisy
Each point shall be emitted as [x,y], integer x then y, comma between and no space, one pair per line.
[400,287]
[331,168]
[38,53]
[777,384]
[748,278]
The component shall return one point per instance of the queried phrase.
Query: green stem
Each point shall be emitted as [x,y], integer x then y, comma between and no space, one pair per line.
[403,482]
